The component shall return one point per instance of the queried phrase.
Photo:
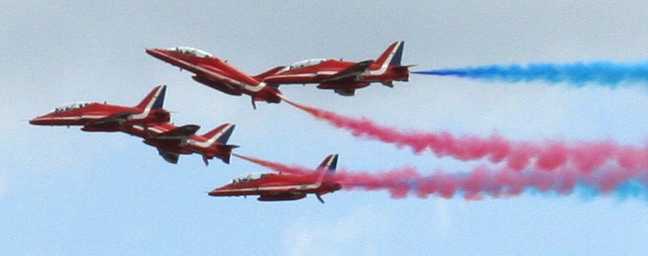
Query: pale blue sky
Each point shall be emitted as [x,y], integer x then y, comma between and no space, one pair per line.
[64,192]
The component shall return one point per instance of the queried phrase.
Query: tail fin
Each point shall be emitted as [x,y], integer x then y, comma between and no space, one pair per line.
[220,134]
[327,167]
[154,99]
[329,163]
[218,137]
[390,57]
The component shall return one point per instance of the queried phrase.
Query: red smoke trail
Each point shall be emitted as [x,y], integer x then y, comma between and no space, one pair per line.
[549,155]
[477,184]
[278,167]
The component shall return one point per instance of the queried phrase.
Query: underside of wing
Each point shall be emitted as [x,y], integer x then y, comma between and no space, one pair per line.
[168,156]
[345,92]
[343,88]
[283,196]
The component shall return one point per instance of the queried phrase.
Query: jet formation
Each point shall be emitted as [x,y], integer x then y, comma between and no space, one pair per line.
[343,77]
[149,121]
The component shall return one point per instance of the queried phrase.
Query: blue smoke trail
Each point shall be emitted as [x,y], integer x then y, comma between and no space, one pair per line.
[600,72]
[586,187]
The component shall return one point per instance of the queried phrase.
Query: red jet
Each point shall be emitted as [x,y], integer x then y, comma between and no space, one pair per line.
[172,141]
[146,120]
[218,74]
[284,187]
[344,77]
[103,117]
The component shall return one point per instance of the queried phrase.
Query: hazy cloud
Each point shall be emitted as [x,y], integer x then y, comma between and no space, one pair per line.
[3,186]
[360,230]
[442,217]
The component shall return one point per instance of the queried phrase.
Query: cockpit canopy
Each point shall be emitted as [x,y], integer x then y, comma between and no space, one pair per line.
[191,51]
[249,177]
[76,105]
[306,63]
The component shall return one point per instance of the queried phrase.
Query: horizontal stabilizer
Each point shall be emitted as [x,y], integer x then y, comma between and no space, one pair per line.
[228,155]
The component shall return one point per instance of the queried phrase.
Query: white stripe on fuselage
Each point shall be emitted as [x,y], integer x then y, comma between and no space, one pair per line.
[306,74]
[273,188]
[244,86]
[72,117]
[153,129]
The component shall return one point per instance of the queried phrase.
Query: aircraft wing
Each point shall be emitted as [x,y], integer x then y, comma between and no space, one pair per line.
[182,131]
[168,156]
[217,75]
[350,72]
[176,135]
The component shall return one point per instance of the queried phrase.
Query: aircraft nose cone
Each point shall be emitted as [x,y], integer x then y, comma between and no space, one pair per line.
[155,52]
[36,121]
[216,192]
